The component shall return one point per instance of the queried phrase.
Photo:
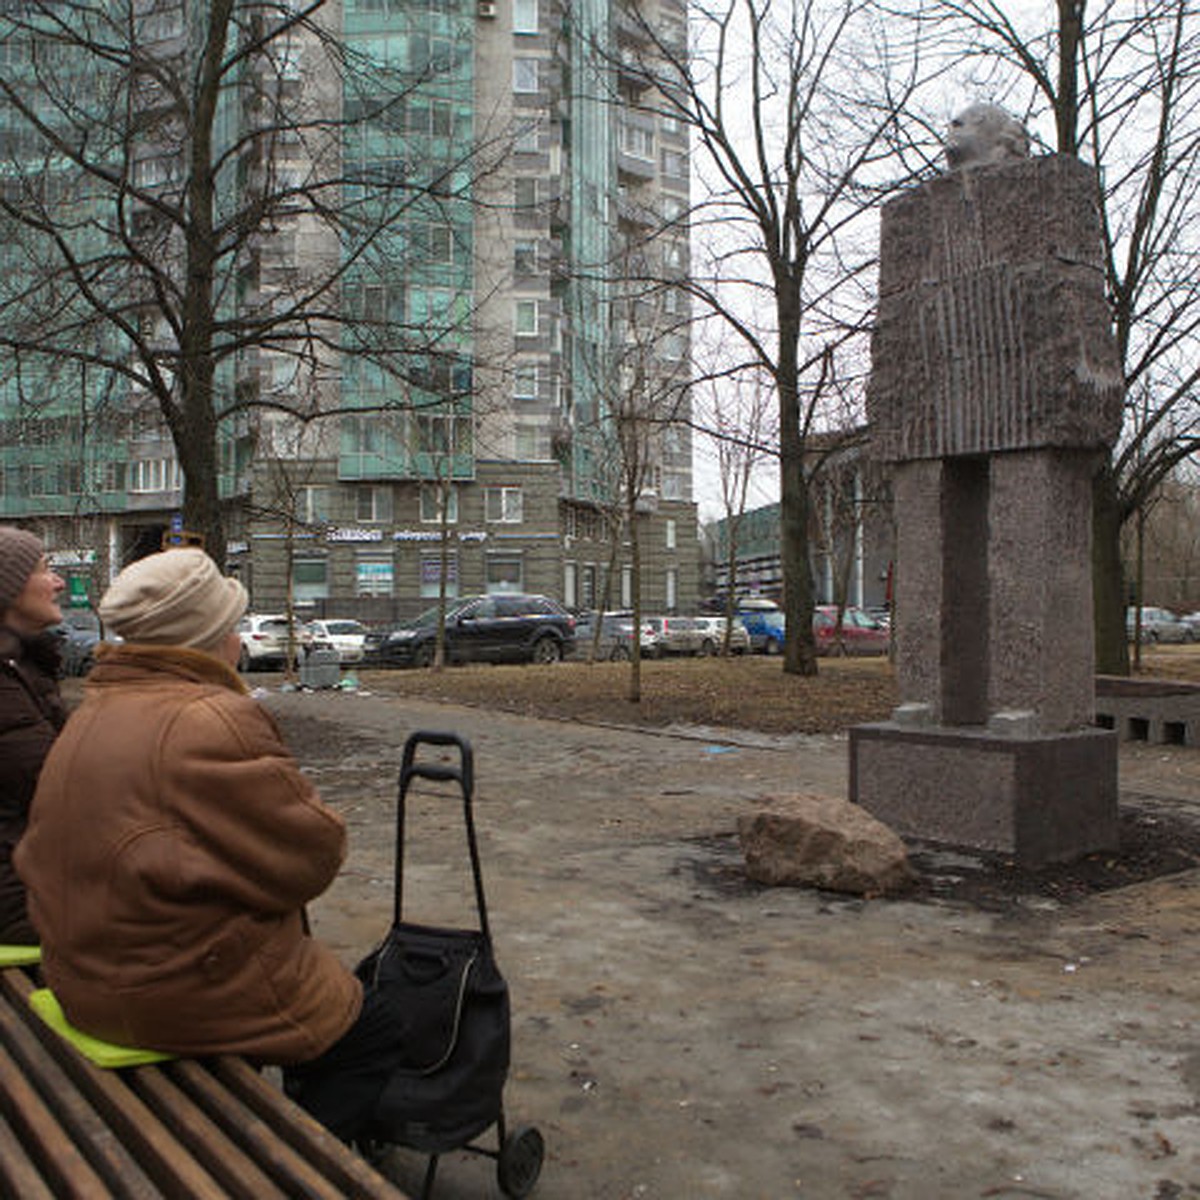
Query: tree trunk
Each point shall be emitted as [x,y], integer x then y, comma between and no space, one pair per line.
[1108,575]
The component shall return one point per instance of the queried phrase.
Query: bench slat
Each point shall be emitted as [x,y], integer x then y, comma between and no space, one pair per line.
[48,1143]
[161,1157]
[208,1142]
[19,1031]
[356,1178]
[259,1134]
[211,1129]
[18,1175]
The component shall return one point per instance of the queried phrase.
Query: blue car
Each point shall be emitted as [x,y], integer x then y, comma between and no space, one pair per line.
[766,629]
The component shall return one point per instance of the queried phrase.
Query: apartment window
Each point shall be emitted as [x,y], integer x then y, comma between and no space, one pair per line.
[431,575]
[310,579]
[504,573]
[525,258]
[672,588]
[374,576]
[503,505]
[637,142]
[674,164]
[526,318]
[570,583]
[526,76]
[674,485]
[312,505]
[443,435]
[670,535]
[626,586]
[528,139]
[154,475]
[533,441]
[525,382]
[525,16]
[439,246]
[373,504]
[525,192]
[432,498]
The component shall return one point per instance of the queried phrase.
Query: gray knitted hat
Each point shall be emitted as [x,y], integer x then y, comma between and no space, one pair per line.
[174,598]
[20,553]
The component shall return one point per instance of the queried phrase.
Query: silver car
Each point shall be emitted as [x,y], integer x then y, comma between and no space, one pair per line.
[712,636]
[1158,625]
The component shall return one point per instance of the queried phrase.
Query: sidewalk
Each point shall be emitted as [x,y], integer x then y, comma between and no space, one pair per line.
[680,1033]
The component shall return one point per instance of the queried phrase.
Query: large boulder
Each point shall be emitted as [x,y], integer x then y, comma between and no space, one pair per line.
[818,841]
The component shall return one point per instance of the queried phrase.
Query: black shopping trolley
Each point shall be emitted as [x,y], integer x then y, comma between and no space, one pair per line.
[448,983]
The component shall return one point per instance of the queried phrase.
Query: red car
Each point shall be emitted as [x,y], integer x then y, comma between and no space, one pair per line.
[859,633]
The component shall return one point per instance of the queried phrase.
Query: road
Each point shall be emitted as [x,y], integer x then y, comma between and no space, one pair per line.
[681,1034]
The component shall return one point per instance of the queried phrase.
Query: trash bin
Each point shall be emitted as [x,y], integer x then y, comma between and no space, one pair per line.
[320,669]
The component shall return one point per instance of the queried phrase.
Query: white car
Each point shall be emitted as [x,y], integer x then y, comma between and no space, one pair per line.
[712,636]
[264,641]
[346,637]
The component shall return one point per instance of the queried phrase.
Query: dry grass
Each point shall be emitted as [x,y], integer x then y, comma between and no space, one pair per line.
[739,693]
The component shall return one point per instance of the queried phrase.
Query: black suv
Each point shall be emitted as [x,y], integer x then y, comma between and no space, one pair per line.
[499,628]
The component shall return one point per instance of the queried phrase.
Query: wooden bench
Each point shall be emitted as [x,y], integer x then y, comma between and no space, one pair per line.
[212,1128]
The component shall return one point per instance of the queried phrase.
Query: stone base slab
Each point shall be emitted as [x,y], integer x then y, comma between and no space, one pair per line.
[1040,799]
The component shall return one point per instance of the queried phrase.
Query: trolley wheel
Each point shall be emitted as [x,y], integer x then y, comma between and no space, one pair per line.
[520,1161]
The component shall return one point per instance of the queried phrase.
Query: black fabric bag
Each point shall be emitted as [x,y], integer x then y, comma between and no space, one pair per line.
[453,1004]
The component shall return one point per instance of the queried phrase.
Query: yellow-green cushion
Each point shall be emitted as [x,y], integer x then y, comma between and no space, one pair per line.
[20,956]
[103,1054]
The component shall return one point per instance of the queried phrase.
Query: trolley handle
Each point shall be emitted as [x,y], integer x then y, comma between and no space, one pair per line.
[464,776]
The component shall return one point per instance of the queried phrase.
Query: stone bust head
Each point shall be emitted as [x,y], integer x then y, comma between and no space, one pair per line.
[984,134]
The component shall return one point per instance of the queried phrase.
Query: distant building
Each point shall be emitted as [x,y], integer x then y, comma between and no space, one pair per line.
[851,538]
[510,476]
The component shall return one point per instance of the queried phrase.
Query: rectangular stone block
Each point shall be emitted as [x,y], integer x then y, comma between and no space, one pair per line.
[1041,799]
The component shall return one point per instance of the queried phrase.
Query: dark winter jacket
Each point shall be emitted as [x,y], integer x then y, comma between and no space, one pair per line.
[31,714]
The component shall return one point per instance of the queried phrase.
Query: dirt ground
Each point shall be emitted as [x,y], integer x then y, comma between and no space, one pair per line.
[681,1033]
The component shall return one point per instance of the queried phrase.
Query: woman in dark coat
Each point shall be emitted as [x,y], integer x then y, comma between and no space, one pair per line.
[31,710]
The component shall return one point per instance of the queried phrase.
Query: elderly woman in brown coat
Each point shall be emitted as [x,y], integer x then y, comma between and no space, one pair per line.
[31,711]
[173,845]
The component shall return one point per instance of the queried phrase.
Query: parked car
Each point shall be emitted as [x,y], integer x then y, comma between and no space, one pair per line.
[1192,621]
[712,636]
[79,635]
[505,627]
[860,633]
[766,628]
[265,641]
[673,635]
[1158,625]
[346,637]
[616,636]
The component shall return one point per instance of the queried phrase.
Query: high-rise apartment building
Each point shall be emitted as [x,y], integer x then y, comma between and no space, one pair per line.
[508,396]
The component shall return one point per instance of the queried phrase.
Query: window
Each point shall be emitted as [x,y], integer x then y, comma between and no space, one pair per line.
[533,441]
[570,583]
[525,382]
[525,192]
[672,588]
[504,573]
[431,575]
[637,142]
[526,318]
[373,504]
[525,258]
[310,579]
[626,586]
[589,587]
[502,505]
[526,75]
[154,475]
[528,139]
[674,164]
[525,16]
[431,504]
[670,535]
[374,577]
[312,505]
[443,435]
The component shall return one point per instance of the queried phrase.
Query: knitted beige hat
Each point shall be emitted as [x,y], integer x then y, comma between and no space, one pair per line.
[177,597]
[20,553]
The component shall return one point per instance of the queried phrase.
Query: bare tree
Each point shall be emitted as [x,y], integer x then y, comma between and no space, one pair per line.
[794,112]
[207,205]
[1120,85]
